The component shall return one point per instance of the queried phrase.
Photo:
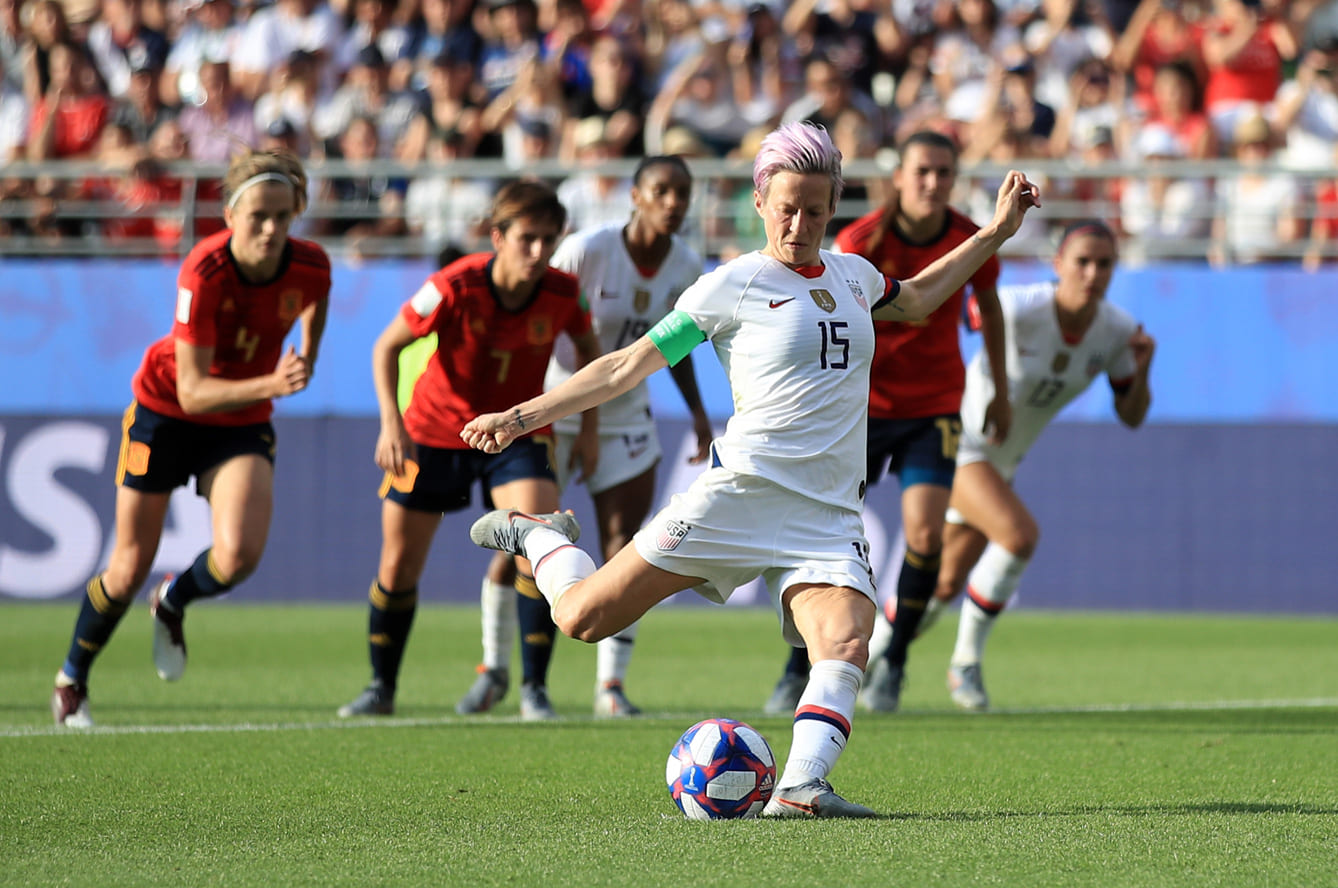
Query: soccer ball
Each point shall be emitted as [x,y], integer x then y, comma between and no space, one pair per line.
[720,769]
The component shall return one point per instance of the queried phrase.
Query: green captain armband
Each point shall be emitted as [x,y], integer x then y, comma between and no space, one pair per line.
[676,336]
[413,361]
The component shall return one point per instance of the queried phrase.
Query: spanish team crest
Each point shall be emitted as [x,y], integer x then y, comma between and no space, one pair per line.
[1060,363]
[671,535]
[640,300]
[540,331]
[823,300]
[290,305]
[858,292]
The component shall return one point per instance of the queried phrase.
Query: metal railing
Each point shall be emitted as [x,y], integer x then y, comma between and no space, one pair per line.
[45,209]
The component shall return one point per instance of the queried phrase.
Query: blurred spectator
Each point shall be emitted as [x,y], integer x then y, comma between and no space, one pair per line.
[1244,52]
[1176,107]
[1095,102]
[673,34]
[14,116]
[569,44]
[11,47]
[828,95]
[444,209]
[119,42]
[210,33]
[374,25]
[613,94]
[1256,210]
[68,119]
[449,108]
[700,97]
[591,195]
[963,56]
[534,98]
[1158,34]
[366,93]
[292,97]
[141,109]
[1162,207]
[445,30]
[765,66]
[273,33]
[1070,33]
[224,123]
[47,27]
[513,42]
[363,203]
[1100,195]
[846,33]
[1323,247]
[1011,94]
[1306,112]
[538,143]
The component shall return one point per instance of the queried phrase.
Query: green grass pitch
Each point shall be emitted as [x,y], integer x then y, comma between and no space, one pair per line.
[1125,750]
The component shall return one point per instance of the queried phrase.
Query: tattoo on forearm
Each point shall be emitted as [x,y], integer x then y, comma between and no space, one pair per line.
[519,420]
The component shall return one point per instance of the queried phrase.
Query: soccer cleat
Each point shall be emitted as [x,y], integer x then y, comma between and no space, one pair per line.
[784,699]
[505,529]
[374,700]
[486,691]
[967,686]
[816,798]
[169,639]
[611,702]
[534,705]
[882,687]
[69,704]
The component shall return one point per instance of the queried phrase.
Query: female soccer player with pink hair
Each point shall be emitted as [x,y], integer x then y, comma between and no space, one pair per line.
[792,325]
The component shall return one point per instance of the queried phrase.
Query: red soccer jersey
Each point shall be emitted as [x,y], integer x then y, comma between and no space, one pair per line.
[917,367]
[244,323]
[488,358]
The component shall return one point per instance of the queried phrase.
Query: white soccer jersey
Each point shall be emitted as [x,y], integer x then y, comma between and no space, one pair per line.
[1045,371]
[797,352]
[623,306]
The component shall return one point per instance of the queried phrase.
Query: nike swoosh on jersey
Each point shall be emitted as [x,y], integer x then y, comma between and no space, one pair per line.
[777,303]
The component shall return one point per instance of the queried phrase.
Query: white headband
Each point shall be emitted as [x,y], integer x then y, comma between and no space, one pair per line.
[256,180]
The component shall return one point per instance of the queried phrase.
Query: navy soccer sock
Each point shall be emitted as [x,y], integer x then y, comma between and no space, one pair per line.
[98,616]
[388,623]
[537,631]
[202,580]
[915,586]
[798,663]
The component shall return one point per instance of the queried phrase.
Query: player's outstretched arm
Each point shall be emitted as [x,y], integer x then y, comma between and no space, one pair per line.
[1132,405]
[602,379]
[929,289]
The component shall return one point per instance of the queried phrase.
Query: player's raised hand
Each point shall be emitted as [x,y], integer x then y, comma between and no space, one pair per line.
[292,373]
[1016,196]
[490,432]
[1143,346]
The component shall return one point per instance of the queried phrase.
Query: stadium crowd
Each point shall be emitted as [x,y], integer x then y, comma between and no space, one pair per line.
[137,88]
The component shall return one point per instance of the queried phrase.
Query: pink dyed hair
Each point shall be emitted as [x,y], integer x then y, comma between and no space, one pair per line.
[799,147]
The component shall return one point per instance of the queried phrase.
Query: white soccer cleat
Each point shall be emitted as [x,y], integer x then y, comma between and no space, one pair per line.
[611,702]
[967,687]
[816,798]
[534,704]
[169,639]
[69,704]
[505,529]
[881,691]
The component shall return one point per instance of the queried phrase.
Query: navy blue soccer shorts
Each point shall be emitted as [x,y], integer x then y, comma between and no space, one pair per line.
[440,480]
[160,453]
[918,451]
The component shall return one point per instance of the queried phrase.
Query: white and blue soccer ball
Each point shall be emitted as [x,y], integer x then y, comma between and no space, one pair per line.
[721,769]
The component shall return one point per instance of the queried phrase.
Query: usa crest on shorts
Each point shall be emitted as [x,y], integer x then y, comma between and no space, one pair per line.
[671,534]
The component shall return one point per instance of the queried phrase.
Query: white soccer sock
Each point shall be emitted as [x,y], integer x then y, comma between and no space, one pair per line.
[558,563]
[933,610]
[822,721]
[882,636]
[613,655]
[499,623]
[993,581]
